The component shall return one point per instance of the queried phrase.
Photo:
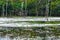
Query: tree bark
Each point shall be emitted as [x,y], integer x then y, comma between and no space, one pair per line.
[25,7]
[6,6]
[47,9]
[3,10]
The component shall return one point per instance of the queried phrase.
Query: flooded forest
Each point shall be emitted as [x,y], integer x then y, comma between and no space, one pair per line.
[29,19]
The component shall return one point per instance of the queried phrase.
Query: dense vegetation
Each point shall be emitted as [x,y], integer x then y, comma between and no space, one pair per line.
[29,7]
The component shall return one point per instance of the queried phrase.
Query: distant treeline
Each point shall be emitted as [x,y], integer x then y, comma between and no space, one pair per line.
[29,7]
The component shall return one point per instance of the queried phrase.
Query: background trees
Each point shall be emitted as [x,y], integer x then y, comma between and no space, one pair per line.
[29,7]
[55,7]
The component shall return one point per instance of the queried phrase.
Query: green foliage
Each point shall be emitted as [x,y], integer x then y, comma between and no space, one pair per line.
[31,6]
[55,3]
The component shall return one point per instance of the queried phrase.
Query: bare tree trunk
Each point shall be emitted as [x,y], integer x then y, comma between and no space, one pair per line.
[3,10]
[25,7]
[22,8]
[6,6]
[10,13]
[47,9]
[50,8]
[36,9]
[37,4]
[36,12]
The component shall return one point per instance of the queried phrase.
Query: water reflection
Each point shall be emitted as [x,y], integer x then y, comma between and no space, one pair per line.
[11,37]
[40,33]
[26,38]
[7,37]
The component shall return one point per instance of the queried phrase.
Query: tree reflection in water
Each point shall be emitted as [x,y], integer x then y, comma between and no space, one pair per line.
[29,33]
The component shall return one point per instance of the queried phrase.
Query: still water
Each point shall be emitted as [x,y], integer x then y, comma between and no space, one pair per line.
[9,21]
[7,37]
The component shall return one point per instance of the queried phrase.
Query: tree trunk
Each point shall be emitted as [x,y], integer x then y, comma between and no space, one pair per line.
[25,7]
[3,10]
[36,9]
[47,9]
[22,8]
[6,6]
